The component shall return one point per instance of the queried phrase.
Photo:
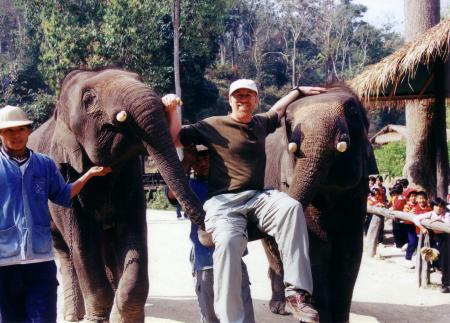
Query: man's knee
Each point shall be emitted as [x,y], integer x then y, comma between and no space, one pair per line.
[290,207]
[230,242]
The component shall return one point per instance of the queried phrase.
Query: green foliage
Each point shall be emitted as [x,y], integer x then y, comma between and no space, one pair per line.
[40,107]
[448,149]
[135,35]
[159,201]
[447,114]
[274,42]
[391,158]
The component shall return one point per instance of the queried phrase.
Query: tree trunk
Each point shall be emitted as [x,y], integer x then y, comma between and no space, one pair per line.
[426,149]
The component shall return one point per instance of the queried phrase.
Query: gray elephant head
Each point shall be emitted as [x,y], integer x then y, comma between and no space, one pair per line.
[109,116]
[322,147]
[322,158]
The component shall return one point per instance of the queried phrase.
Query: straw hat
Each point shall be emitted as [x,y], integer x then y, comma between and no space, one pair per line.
[429,254]
[11,116]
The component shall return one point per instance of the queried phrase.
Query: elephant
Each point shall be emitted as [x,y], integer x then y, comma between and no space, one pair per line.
[108,117]
[321,156]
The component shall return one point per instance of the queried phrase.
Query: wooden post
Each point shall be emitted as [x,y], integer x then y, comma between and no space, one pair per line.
[372,234]
[419,261]
[422,266]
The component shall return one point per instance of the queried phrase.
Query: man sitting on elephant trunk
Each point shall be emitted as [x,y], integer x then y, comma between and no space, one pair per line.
[27,181]
[236,143]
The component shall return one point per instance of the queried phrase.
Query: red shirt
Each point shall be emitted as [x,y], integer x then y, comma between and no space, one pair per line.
[398,203]
[417,209]
[421,210]
[373,201]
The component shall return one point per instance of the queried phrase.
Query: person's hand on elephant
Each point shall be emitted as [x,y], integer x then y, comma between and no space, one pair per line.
[171,102]
[309,90]
[92,172]
[99,171]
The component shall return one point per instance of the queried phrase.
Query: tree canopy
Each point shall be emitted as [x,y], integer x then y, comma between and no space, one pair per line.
[278,43]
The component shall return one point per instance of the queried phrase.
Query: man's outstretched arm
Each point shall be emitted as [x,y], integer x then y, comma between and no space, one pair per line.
[281,105]
[171,101]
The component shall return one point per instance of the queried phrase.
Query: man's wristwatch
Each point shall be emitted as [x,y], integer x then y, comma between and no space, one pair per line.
[297,88]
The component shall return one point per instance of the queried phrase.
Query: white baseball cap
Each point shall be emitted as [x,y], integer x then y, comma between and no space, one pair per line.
[243,84]
[11,116]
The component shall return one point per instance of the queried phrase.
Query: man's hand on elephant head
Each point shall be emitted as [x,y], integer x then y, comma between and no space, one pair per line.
[310,90]
[171,102]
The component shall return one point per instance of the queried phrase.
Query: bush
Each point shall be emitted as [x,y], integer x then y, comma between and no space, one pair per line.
[391,158]
[159,200]
[41,108]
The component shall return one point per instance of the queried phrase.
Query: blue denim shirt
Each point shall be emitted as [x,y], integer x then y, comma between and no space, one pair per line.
[201,256]
[24,215]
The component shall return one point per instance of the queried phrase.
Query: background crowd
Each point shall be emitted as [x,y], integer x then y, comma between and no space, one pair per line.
[406,198]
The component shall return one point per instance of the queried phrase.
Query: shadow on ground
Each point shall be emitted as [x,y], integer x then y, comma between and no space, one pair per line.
[384,312]
[186,310]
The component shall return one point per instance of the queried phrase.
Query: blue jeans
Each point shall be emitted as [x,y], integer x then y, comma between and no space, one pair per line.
[412,241]
[28,293]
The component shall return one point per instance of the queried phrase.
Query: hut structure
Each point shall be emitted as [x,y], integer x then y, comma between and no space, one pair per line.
[392,133]
[408,73]
[418,71]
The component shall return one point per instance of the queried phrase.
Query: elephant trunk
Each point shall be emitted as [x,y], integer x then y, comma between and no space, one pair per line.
[152,128]
[310,170]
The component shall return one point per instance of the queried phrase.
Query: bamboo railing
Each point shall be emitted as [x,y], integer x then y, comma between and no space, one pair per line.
[422,267]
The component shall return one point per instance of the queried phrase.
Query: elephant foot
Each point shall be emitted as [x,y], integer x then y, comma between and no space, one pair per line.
[72,315]
[278,307]
[72,318]
[96,319]
[117,317]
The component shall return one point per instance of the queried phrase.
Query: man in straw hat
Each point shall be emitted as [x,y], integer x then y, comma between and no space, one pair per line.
[236,143]
[27,181]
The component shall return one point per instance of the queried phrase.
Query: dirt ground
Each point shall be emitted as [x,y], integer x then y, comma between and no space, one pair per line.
[385,291]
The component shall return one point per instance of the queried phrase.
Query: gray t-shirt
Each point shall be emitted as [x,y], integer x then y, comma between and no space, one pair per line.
[236,150]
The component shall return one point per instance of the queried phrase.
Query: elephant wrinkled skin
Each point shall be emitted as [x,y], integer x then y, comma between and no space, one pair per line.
[108,117]
[327,172]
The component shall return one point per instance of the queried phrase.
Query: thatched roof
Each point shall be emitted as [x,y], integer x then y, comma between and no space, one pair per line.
[391,133]
[408,72]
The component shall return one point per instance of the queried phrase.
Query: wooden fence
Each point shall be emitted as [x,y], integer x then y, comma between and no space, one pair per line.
[422,267]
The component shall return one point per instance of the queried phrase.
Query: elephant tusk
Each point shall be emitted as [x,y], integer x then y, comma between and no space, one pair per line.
[121,116]
[292,147]
[341,146]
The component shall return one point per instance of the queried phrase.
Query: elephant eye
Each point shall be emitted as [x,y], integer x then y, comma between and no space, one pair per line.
[90,101]
[89,98]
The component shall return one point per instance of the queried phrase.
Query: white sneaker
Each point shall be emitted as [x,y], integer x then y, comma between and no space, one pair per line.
[404,247]
[408,264]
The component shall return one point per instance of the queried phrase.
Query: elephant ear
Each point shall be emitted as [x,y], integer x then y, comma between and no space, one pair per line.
[280,163]
[287,158]
[65,148]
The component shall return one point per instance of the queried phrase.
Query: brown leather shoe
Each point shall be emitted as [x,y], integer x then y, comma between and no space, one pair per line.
[299,304]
